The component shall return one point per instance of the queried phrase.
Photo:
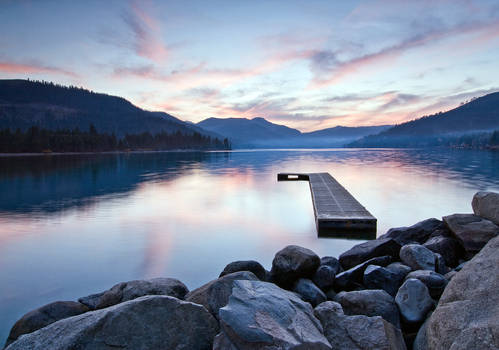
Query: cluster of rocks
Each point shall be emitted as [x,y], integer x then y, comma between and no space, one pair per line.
[432,285]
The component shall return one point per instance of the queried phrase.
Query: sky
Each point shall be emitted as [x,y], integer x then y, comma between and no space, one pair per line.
[306,64]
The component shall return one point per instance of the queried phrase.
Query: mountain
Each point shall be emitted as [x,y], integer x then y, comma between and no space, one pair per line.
[260,133]
[478,116]
[242,132]
[25,103]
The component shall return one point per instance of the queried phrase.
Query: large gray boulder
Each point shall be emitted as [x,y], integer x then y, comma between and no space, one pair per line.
[149,322]
[486,205]
[44,316]
[370,303]
[293,262]
[435,282]
[352,278]
[215,294]
[378,277]
[414,301]
[130,290]
[245,265]
[417,233]
[367,250]
[357,332]
[261,315]
[417,257]
[309,291]
[471,230]
[467,315]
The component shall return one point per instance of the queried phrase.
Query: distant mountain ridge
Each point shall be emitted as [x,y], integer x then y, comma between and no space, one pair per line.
[25,103]
[260,133]
[477,116]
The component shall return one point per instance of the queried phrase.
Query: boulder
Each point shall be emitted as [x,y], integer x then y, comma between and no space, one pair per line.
[260,315]
[486,205]
[419,232]
[367,250]
[149,322]
[293,262]
[357,332]
[245,265]
[449,248]
[370,303]
[467,315]
[324,277]
[130,290]
[352,278]
[435,282]
[377,277]
[332,262]
[449,275]
[309,291]
[44,316]
[413,301]
[417,257]
[215,294]
[400,269]
[421,340]
[471,230]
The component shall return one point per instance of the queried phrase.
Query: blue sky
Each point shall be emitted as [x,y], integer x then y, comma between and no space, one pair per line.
[306,64]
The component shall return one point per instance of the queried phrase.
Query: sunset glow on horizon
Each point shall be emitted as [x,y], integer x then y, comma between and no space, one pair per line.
[306,64]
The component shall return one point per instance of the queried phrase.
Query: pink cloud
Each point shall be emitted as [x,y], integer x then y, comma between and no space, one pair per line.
[147,32]
[17,68]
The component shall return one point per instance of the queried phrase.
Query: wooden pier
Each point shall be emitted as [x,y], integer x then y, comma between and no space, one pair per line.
[337,212]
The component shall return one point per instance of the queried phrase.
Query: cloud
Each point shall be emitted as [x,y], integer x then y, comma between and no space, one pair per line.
[147,34]
[328,69]
[33,68]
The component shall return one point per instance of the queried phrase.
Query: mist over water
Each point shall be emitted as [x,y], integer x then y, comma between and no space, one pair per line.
[76,225]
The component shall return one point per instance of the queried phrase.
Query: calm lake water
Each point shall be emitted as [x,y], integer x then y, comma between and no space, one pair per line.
[75,225]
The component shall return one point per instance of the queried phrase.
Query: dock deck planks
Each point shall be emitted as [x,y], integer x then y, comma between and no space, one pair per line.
[337,212]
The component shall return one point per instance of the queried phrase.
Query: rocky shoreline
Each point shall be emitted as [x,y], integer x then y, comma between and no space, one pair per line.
[432,285]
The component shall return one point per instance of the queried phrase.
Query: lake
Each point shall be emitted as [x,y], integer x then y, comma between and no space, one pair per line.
[72,225]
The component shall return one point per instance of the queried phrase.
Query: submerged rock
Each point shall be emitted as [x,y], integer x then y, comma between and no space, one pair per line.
[467,315]
[44,316]
[413,301]
[215,294]
[245,265]
[309,292]
[357,332]
[260,315]
[419,232]
[370,303]
[417,257]
[471,230]
[293,262]
[367,250]
[149,322]
[486,205]
[130,290]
